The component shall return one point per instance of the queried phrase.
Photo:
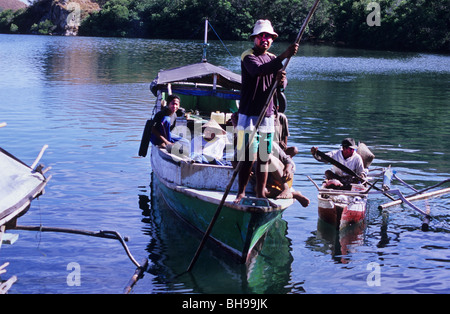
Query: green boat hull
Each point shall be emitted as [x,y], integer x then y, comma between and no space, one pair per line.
[239,232]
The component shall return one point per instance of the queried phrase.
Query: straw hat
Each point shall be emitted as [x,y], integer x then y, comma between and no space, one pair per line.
[263,26]
[214,127]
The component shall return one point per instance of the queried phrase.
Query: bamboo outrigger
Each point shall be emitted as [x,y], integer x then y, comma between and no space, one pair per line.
[418,195]
[416,198]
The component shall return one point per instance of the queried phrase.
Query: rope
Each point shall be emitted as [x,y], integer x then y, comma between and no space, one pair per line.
[220,39]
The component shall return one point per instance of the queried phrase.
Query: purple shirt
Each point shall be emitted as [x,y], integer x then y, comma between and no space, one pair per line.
[258,73]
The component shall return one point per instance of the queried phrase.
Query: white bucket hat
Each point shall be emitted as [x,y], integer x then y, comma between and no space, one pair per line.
[263,26]
[214,127]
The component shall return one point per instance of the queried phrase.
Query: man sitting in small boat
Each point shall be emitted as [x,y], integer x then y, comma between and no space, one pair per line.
[209,146]
[164,123]
[347,156]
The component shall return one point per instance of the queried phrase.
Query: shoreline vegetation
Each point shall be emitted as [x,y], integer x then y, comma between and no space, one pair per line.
[421,26]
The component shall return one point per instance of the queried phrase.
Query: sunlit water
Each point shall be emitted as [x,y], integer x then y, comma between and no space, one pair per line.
[88,99]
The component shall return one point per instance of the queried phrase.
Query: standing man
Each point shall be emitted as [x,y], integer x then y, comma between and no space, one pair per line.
[259,71]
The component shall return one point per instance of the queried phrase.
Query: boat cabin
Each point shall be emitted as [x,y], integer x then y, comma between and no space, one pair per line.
[206,91]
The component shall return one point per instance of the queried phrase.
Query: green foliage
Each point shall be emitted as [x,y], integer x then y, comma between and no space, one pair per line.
[405,25]
[115,20]
[13,28]
[43,28]
[6,21]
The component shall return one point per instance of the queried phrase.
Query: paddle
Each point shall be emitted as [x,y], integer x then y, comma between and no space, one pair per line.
[252,135]
[145,141]
[349,171]
[338,164]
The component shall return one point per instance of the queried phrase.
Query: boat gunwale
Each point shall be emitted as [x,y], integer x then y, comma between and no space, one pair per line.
[21,207]
[248,251]
[176,160]
[197,193]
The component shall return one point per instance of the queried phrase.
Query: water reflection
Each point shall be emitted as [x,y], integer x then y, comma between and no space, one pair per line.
[338,243]
[173,244]
[88,60]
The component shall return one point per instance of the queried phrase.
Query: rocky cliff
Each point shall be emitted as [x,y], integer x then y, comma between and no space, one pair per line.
[64,15]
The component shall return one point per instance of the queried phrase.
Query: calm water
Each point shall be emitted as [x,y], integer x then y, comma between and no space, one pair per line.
[88,99]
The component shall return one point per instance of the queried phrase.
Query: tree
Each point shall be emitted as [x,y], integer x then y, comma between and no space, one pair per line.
[113,20]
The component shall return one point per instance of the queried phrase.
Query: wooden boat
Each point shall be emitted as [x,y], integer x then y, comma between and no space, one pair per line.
[193,190]
[172,240]
[19,185]
[342,208]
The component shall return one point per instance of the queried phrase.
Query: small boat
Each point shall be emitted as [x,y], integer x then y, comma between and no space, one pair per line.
[343,208]
[195,190]
[20,184]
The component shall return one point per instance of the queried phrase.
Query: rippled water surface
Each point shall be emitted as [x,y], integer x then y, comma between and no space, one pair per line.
[88,99]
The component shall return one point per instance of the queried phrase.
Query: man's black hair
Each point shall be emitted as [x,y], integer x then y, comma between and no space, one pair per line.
[172,97]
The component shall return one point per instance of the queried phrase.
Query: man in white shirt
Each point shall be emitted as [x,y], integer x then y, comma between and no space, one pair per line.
[348,157]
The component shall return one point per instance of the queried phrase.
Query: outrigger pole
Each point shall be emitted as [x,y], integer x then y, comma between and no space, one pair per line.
[252,135]
[418,195]
[100,234]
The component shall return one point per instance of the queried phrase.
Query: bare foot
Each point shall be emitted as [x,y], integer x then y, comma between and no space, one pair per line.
[239,197]
[285,194]
[303,200]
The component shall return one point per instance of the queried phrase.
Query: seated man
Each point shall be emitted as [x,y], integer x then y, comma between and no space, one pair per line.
[348,157]
[279,183]
[282,133]
[209,147]
[164,123]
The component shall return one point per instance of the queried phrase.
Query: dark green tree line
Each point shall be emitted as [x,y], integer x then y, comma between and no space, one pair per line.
[404,25]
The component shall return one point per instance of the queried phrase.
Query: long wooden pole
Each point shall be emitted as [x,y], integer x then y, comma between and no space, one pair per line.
[252,135]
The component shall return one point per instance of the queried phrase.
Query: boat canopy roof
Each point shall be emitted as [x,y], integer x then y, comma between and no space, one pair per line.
[198,73]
